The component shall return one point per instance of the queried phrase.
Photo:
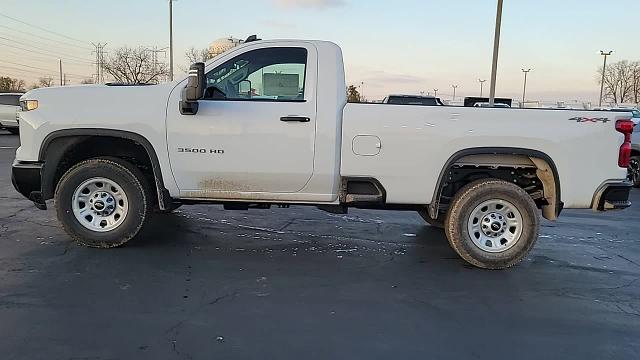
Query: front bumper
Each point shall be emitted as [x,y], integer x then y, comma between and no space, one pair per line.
[26,178]
[9,124]
[612,195]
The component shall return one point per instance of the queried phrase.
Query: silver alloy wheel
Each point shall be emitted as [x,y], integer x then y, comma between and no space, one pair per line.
[100,204]
[495,225]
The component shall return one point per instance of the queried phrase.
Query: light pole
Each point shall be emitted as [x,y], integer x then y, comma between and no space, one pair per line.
[524,89]
[454,91]
[435,92]
[481,85]
[604,69]
[496,46]
[362,90]
[171,40]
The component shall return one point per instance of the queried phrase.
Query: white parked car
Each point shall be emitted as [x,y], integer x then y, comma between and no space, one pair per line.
[9,106]
[267,123]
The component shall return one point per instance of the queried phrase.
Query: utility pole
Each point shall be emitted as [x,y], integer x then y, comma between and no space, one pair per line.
[170,40]
[435,92]
[604,69]
[496,47]
[454,91]
[524,89]
[61,79]
[481,85]
[362,90]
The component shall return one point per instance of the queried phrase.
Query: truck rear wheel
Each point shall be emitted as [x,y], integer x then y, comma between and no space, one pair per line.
[102,202]
[492,224]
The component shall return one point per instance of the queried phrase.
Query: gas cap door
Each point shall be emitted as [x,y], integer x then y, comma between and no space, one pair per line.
[366,145]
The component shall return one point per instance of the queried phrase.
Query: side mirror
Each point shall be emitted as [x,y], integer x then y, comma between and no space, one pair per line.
[194,90]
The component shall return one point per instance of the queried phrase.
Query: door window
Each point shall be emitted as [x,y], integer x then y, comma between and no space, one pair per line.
[271,74]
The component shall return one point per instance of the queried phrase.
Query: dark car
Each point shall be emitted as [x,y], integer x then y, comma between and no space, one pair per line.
[412,100]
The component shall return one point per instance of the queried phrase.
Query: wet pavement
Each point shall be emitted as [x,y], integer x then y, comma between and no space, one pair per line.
[300,283]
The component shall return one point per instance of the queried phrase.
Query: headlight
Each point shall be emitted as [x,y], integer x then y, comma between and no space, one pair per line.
[28,105]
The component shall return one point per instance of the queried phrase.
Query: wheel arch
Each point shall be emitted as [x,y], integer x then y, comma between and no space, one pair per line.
[544,164]
[58,143]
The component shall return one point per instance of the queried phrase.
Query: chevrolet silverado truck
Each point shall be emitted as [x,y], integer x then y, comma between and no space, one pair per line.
[267,123]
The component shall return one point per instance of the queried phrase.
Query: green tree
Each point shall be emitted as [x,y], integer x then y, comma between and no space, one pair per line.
[353,95]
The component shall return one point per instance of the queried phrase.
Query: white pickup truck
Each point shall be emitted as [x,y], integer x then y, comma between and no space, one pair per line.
[268,123]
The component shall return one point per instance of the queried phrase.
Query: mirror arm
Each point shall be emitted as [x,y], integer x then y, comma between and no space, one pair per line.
[188,107]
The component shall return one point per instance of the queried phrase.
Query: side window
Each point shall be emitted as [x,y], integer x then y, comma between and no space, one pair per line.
[271,74]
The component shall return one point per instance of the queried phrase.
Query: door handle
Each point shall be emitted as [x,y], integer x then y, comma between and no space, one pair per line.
[291,118]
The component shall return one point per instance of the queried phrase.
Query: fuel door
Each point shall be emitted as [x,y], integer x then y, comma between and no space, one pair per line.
[366,145]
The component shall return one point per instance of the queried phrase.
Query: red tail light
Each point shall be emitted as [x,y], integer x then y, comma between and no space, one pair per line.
[625,127]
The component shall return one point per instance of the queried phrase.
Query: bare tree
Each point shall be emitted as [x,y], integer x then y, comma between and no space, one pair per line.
[135,66]
[194,55]
[46,81]
[10,84]
[635,82]
[618,82]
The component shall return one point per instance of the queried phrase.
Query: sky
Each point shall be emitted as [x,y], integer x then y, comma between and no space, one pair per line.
[389,46]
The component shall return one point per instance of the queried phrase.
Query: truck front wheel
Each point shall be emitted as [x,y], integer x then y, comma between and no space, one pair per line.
[492,224]
[102,202]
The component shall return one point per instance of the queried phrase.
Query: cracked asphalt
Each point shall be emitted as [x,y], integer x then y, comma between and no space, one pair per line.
[300,283]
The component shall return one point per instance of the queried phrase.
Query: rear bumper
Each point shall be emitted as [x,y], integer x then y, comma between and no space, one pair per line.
[612,195]
[26,178]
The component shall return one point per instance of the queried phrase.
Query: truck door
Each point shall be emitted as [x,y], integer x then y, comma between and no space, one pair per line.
[254,131]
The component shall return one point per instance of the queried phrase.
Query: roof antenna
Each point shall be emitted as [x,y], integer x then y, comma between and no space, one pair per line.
[252,38]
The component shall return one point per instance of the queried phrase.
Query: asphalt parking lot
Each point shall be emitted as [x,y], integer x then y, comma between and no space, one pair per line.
[300,283]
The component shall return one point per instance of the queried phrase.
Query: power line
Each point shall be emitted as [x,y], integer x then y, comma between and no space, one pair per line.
[44,38]
[38,68]
[35,75]
[43,29]
[47,60]
[51,53]
[40,44]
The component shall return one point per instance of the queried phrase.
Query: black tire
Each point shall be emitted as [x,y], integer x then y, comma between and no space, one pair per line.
[13,131]
[471,197]
[128,177]
[634,171]
[439,222]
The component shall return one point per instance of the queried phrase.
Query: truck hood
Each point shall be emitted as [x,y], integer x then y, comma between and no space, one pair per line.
[100,105]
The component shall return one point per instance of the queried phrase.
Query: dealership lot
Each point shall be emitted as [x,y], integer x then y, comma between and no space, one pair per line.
[301,283]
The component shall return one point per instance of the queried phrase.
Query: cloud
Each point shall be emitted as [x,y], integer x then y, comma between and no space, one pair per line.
[277,24]
[318,4]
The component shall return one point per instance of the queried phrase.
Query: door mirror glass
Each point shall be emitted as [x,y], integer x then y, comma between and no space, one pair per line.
[194,90]
[244,89]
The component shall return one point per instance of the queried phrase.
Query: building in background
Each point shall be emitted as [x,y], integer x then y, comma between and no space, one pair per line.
[219,46]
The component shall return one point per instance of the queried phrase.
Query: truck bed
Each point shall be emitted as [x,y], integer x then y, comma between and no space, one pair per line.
[415,143]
